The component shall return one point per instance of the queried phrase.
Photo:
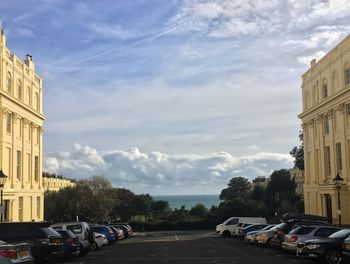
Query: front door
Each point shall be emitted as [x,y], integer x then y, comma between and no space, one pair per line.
[328,206]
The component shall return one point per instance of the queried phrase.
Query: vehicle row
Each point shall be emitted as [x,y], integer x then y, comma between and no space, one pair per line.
[304,235]
[42,242]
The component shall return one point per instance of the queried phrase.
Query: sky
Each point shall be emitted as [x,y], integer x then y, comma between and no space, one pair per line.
[172,96]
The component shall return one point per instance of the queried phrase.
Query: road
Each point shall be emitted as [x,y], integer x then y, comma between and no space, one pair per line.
[182,247]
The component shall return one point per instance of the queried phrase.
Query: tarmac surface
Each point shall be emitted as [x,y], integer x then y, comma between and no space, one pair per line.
[179,247]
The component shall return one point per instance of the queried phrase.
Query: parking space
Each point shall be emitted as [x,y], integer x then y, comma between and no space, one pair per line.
[186,247]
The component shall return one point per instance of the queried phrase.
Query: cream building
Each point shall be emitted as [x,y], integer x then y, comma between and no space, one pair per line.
[21,136]
[326,125]
[56,183]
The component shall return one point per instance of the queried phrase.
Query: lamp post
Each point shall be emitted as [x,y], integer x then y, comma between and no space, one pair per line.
[3,179]
[338,181]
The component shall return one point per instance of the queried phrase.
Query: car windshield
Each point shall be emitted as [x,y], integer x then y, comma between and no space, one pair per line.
[49,231]
[277,227]
[267,227]
[341,234]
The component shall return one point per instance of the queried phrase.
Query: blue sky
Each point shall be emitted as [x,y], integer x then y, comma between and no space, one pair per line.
[176,96]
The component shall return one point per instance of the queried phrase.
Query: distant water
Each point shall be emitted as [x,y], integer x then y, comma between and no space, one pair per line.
[176,201]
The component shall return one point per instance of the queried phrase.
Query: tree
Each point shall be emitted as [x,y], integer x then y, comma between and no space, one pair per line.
[258,193]
[160,208]
[199,210]
[238,187]
[97,183]
[298,153]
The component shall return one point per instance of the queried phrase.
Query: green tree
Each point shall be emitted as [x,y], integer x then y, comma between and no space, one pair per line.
[238,187]
[298,153]
[257,193]
[199,210]
[160,208]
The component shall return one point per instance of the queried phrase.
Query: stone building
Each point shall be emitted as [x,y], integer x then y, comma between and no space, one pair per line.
[299,178]
[52,182]
[21,130]
[326,125]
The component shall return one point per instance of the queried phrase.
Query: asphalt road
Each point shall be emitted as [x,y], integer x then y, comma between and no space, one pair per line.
[183,247]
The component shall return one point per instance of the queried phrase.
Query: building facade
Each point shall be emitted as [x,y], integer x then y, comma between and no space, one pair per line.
[54,183]
[326,125]
[21,130]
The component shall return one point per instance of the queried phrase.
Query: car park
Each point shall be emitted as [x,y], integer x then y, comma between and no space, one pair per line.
[45,243]
[264,237]
[328,250]
[18,253]
[81,229]
[71,243]
[127,230]
[303,233]
[118,233]
[250,236]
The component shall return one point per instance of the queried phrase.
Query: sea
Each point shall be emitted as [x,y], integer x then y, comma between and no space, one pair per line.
[176,201]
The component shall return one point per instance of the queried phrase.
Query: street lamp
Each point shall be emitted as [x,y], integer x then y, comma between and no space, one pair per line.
[338,181]
[3,179]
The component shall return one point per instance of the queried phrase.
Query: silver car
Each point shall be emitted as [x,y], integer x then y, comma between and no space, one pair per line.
[15,253]
[303,233]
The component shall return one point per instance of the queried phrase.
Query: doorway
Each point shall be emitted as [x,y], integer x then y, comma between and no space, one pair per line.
[328,206]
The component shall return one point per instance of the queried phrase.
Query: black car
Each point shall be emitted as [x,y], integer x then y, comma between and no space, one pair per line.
[328,250]
[291,221]
[45,243]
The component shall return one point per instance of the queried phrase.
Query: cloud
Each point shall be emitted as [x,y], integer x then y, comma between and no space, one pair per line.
[160,172]
[307,59]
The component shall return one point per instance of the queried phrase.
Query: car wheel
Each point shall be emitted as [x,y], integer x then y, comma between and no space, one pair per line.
[226,233]
[332,256]
[93,246]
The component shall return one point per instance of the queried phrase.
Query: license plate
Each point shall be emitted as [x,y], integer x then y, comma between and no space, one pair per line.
[24,254]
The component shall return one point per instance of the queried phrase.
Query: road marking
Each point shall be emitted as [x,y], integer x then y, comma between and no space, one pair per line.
[176,238]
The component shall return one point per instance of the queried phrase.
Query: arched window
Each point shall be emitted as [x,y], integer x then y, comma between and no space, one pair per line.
[8,82]
[19,89]
[325,89]
[347,74]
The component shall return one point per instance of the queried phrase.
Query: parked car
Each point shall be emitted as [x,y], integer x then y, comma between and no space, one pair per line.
[229,227]
[328,250]
[127,231]
[250,236]
[81,229]
[102,229]
[346,250]
[119,233]
[71,243]
[253,227]
[264,237]
[45,243]
[303,233]
[15,253]
[290,222]
[99,240]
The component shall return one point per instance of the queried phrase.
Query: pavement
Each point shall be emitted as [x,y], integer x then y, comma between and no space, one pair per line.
[182,247]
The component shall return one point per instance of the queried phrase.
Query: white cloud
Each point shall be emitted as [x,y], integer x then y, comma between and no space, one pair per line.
[307,59]
[143,172]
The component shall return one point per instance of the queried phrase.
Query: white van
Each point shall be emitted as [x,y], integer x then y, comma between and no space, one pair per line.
[229,227]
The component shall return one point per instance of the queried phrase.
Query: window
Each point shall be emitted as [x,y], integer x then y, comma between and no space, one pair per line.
[348,109]
[28,96]
[19,165]
[8,82]
[19,89]
[325,90]
[9,122]
[20,129]
[31,207]
[326,125]
[20,208]
[338,157]
[38,207]
[36,168]
[37,102]
[29,132]
[347,76]
[327,161]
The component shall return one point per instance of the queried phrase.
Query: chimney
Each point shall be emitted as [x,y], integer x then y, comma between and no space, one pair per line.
[29,62]
[29,57]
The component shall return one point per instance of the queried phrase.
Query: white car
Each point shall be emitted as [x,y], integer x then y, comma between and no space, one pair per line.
[100,240]
[230,226]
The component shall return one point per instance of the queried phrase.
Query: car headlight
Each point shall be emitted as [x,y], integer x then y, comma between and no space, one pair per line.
[312,246]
